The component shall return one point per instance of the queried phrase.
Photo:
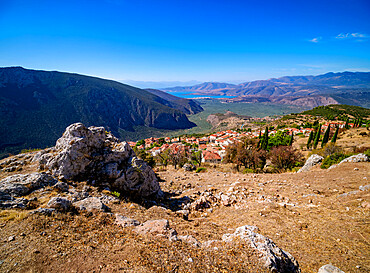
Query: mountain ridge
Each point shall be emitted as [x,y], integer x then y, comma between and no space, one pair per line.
[36,106]
[287,89]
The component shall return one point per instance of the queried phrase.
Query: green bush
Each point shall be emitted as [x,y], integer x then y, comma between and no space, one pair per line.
[333,159]
[367,152]
[116,194]
[247,170]
[200,169]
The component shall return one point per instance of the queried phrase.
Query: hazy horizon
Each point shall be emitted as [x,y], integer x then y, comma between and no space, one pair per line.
[186,41]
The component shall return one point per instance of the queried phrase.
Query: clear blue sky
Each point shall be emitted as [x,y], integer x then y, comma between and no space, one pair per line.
[183,40]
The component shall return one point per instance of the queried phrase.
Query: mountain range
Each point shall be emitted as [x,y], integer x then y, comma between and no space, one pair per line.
[36,107]
[311,91]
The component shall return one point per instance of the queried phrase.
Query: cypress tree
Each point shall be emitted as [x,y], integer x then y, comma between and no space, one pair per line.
[346,126]
[260,135]
[265,140]
[334,139]
[317,137]
[326,137]
[309,140]
[291,139]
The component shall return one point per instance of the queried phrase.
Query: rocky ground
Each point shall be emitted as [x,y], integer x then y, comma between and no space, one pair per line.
[214,221]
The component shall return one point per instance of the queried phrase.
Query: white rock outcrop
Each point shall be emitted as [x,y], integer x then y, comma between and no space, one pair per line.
[95,155]
[311,161]
[355,158]
[275,258]
[328,268]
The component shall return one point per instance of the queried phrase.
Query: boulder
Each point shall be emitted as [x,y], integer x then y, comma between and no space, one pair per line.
[125,221]
[188,167]
[59,204]
[23,184]
[90,204]
[157,227]
[311,161]
[189,239]
[328,268]
[275,258]
[95,155]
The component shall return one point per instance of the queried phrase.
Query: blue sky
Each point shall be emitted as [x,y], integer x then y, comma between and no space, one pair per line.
[183,40]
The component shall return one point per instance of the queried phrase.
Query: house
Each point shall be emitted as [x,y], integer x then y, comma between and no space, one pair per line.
[155,151]
[211,157]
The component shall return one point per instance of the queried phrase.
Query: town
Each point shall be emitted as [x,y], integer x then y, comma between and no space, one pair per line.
[213,146]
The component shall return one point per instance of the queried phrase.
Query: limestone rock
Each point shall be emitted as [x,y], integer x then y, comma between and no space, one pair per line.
[95,155]
[225,200]
[355,158]
[275,258]
[125,221]
[90,204]
[184,213]
[157,227]
[311,161]
[60,204]
[189,239]
[328,268]
[23,184]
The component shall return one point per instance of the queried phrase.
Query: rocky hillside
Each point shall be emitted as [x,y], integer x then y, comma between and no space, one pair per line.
[36,106]
[89,204]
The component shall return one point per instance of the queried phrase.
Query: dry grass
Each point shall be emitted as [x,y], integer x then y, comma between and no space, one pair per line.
[12,215]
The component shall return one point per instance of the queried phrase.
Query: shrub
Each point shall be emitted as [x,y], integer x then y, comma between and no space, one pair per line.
[247,170]
[333,159]
[200,169]
[328,149]
[116,194]
[285,157]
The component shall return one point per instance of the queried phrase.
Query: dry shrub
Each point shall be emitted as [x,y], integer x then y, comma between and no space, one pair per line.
[285,157]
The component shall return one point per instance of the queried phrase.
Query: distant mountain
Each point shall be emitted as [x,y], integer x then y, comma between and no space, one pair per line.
[341,79]
[187,106]
[345,87]
[36,107]
[207,86]
[158,84]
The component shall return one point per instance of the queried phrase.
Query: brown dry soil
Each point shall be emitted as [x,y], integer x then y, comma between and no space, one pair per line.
[303,213]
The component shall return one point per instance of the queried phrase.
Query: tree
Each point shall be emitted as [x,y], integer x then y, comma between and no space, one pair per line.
[346,126]
[334,139]
[196,157]
[325,139]
[231,151]
[164,157]
[265,139]
[309,140]
[317,137]
[281,138]
[140,142]
[291,139]
[285,157]
[245,153]
[148,158]
[175,158]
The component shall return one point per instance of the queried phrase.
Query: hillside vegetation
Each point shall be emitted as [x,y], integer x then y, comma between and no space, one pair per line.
[332,111]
